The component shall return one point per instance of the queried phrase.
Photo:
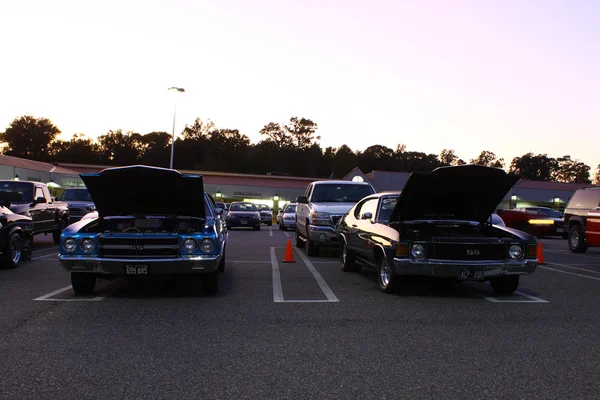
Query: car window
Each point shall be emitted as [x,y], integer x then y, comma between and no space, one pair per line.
[242,207]
[585,199]
[39,192]
[24,190]
[75,195]
[290,208]
[386,207]
[370,206]
[339,193]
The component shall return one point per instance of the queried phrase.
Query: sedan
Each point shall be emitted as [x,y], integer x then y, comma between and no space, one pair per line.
[243,215]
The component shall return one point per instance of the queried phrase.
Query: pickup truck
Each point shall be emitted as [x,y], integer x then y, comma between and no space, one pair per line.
[320,209]
[34,200]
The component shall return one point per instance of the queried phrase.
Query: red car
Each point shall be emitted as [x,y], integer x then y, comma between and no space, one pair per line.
[537,221]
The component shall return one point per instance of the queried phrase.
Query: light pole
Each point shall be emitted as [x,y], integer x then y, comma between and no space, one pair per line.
[181,90]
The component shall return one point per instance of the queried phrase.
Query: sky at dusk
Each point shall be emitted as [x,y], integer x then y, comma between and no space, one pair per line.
[505,76]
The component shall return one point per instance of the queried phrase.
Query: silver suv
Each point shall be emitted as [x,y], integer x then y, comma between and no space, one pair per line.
[321,208]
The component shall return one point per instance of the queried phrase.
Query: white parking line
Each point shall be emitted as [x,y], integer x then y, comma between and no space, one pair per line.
[286,234]
[46,256]
[579,269]
[271,232]
[569,273]
[532,299]
[278,291]
[47,297]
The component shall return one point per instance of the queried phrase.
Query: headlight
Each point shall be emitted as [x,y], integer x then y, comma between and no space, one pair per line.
[90,207]
[515,251]
[320,215]
[207,245]
[417,251]
[70,244]
[87,245]
[256,216]
[189,245]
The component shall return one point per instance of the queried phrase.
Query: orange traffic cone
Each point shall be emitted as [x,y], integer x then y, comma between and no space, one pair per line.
[540,254]
[289,254]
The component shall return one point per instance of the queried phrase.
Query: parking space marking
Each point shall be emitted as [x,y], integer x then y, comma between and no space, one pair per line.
[569,273]
[286,234]
[532,299]
[271,232]
[47,297]
[577,268]
[248,262]
[278,291]
[45,256]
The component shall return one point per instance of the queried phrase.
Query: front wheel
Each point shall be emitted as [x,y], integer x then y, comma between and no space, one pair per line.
[83,283]
[505,284]
[576,239]
[311,248]
[12,254]
[348,259]
[62,224]
[387,280]
[299,242]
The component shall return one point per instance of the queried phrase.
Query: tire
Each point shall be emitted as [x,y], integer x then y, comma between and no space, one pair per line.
[270,223]
[257,228]
[387,281]
[348,258]
[299,242]
[281,227]
[62,224]
[83,283]
[228,227]
[505,284]
[576,239]
[210,284]
[13,253]
[222,262]
[311,248]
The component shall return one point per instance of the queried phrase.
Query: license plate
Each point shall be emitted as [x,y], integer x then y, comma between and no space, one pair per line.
[560,230]
[136,270]
[471,273]
[244,222]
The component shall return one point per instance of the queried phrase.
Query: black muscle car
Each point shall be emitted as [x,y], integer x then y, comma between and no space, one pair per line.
[16,231]
[438,226]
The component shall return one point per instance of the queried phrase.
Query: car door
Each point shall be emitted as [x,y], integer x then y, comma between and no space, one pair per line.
[365,217]
[592,227]
[39,212]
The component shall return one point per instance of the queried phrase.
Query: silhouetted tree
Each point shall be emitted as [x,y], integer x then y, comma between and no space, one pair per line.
[571,171]
[449,157]
[29,137]
[488,159]
[534,167]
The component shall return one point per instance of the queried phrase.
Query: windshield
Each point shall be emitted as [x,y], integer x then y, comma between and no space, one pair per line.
[552,213]
[75,195]
[387,206]
[23,191]
[340,193]
[291,208]
[219,205]
[242,207]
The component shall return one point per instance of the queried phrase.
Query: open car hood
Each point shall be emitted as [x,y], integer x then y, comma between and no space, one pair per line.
[143,190]
[465,192]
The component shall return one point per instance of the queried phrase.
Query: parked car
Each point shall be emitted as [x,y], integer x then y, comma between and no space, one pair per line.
[319,210]
[141,229]
[438,226]
[16,231]
[582,219]
[244,215]
[266,215]
[537,221]
[221,206]
[33,200]
[78,201]
[288,217]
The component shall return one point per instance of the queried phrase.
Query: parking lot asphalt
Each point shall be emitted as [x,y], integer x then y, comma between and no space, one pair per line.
[299,330]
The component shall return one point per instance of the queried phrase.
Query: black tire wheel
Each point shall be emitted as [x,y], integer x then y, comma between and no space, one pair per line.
[13,252]
[505,284]
[576,239]
[228,227]
[311,248]
[222,263]
[388,281]
[257,228]
[270,223]
[210,283]
[83,283]
[62,224]
[299,242]
[281,227]
[348,258]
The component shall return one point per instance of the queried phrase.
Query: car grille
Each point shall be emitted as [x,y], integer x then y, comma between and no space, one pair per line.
[336,219]
[138,247]
[467,251]
[75,211]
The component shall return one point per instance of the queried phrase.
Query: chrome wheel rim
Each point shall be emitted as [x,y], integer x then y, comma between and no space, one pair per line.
[15,248]
[574,239]
[385,272]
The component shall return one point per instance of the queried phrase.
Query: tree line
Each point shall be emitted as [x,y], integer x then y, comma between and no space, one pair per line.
[291,148]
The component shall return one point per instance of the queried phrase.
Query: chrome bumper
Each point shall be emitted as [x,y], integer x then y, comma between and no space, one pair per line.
[452,268]
[323,235]
[156,266]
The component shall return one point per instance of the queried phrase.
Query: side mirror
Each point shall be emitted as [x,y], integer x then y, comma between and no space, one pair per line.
[367,215]
[302,199]
[40,200]
[57,199]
